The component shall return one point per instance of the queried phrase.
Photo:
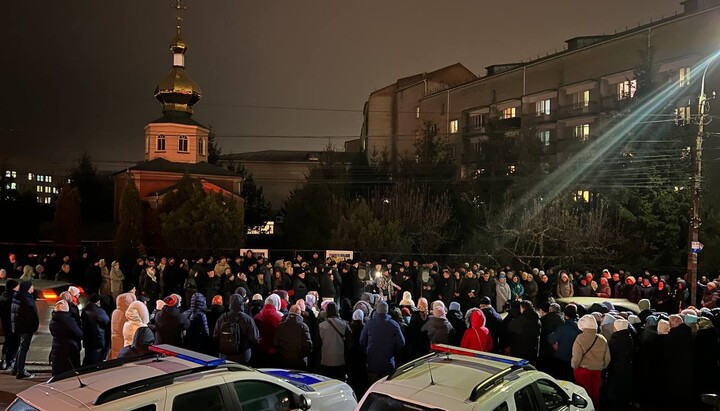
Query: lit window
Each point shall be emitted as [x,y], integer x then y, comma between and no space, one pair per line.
[39,199]
[55,190]
[10,174]
[69,181]
[511,169]
[509,112]
[626,89]
[183,144]
[7,173]
[542,108]
[417,112]
[47,200]
[544,137]
[201,146]
[582,132]
[582,195]
[160,143]
[40,178]
[684,76]
[39,189]
[47,189]
[581,99]
[48,179]
[682,116]
[453,126]
[30,176]
[13,186]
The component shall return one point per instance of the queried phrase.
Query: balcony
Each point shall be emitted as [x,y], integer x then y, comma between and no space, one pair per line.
[472,130]
[578,109]
[540,118]
[616,103]
[506,124]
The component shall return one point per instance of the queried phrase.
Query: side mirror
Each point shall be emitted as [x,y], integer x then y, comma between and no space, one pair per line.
[305,403]
[711,399]
[578,401]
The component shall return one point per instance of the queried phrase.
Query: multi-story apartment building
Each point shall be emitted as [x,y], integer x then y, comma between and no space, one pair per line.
[26,176]
[561,100]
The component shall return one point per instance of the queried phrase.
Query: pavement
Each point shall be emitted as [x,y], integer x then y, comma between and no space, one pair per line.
[37,363]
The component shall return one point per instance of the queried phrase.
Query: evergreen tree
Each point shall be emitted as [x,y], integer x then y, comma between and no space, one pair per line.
[257,210]
[129,232]
[214,149]
[68,217]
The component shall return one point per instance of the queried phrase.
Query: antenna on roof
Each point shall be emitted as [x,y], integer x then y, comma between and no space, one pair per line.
[432,380]
[77,375]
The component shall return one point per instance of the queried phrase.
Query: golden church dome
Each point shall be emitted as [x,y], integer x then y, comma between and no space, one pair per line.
[177,91]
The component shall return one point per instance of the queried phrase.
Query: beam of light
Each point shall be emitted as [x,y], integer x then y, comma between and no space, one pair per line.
[572,169]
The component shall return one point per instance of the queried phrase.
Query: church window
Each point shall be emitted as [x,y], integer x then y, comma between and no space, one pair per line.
[183,144]
[160,142]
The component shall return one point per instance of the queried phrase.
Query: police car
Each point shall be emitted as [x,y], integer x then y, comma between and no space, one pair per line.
[457,379]
[170,378]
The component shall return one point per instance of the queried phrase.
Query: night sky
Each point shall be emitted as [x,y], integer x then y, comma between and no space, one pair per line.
[80,74]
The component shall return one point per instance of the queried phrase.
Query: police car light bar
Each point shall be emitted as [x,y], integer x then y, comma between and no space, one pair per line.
[197,358]
[477,354]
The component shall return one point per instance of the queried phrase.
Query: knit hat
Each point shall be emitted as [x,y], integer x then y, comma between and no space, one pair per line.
[454,306]
[689,311]
[644,304]
[74,291]
[405,312]
[62,306]
[282,294]
[217,300]
[607,319]
[620,324]
[598,316]
[300,303]
[331,309]
[407,299]
[324,304]
[381,307]
[438,303]
[422,305]
[570,311]
[675,320]
[274,300]
[608,305]
[257,297]
[634,319]
[159,304]
[358,315]
[171,300]
[484,300]
[663,327]
[691,319]
[630,280]
[651,320]
[310,300]
[587,322]
[438,311]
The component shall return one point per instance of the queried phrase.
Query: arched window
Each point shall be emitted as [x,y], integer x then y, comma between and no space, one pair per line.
[183,144]
[160,146]
[201,146]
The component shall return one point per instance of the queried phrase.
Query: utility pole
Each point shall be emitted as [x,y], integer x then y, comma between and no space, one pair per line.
[694,226]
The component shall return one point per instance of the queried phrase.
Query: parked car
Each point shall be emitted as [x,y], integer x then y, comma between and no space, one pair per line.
[620,304]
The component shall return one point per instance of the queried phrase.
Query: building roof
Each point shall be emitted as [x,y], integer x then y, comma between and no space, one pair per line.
[177,117]
[166,166]
[451,75]
[297,156]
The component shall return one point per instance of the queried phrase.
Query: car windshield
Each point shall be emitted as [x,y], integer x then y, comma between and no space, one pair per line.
[20,405]
[379,402]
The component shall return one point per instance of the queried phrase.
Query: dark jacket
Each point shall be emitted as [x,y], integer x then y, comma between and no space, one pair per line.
[445,288]
[95,327]
[494,323]
[293,342]
[678,365]
[169,326]
[549,324]
[66,334]
[142,339]
[197,337]
[6,300]
[300,288]
[619,380]
[418,341]
[524,335]
[458,323]
[439,330]
[381,339]
[248,329]
[24,315]
[564,336]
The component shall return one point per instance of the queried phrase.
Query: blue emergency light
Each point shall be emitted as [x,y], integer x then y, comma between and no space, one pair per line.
[192,356]
[477,354]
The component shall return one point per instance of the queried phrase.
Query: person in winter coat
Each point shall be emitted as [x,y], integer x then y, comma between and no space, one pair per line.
[197,336]
[217,308]
[565,287]
[149,286]
[711,297]
[327,285]
[630,290]
[550,320]
[487,285]
[468,289]
[292,340]
[67,336]
[590,355]
[707,358]
[10,346]
[503,293]
[477,336]
[137,316]
[357,376]
[662,300]
[381,339]
[333,335]
[455,316]
[418,342]
[647,290]
[606,326]
[117,322]
[267,321]
[680,296]
[524,333]
[142,340]
[545,288]
[170,323]
[603,290]
[516,288]
[105,279]
[584,289]
[438,328]
[116,279]
[300,288]
[619,379]
[95,327]
[249,335]
[678,364]
[562,340]
[25,322]
[531,288]
[445,287]
[493,322]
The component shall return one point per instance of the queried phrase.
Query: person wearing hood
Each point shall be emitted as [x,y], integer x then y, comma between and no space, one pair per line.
[630,290]
[25,322]
[117,323]
[550,319]
[381,340]
[407,301]
[711,297]
[197,336]
[170,323]
[364,305]
[217,308]
[603,290]
[116,279]
[619,378]
[565,286]
[516,288]
[646,289]
[584,289]
[523,333]
[334,334]
[245,333]
[417,341]
[455,316]
[95,327]
[678,364]
[357,375]
[137,316]
[438,328]
[66,339]
[477,336]
[256,305]
[662,300]
[590,355]
[503,294]
[267,321]
[606,326]
[11,343]
[142,340]
[531,288]
[562,341]
[645,308]
[680,296]
[292,340]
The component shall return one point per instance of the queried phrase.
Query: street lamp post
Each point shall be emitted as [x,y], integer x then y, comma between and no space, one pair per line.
[694,226]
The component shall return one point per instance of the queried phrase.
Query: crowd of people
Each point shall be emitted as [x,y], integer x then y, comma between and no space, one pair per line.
[358,321]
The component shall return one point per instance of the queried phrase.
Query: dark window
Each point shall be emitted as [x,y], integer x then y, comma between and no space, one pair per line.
[379,402]
[150,407]
[261,396]
[553,396]
[525,399]
[502,407]
[207,399]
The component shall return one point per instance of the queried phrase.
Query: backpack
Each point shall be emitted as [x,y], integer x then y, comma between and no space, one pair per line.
[230,338]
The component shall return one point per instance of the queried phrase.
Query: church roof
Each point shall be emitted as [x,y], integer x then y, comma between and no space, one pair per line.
[166,166]
[178,117]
